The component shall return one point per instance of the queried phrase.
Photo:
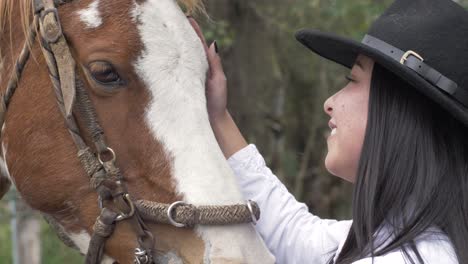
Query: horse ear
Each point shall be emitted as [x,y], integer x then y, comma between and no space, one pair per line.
[5,184]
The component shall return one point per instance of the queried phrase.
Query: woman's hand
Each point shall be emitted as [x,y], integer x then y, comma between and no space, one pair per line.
[229,138]
[216,86]
[216,83]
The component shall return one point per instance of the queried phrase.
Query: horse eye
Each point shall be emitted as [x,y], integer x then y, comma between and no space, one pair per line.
[104,73]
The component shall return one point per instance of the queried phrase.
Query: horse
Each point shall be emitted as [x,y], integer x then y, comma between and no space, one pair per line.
[142,67]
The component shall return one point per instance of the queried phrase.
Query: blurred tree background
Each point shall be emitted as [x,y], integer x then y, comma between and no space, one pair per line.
[277,89]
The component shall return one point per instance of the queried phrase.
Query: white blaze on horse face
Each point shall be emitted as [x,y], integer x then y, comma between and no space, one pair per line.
[173,67]
[91,16]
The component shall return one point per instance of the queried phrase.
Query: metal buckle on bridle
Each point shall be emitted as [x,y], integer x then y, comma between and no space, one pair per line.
[123,216]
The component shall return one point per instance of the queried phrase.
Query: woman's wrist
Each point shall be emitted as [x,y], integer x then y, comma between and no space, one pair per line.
[220,118]
[228,135]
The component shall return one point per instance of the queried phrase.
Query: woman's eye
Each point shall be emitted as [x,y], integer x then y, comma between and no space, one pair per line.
[349,78]
[104,73]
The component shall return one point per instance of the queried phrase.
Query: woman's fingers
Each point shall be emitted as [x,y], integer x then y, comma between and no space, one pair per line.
[216,85]
[216,67]
[214,60]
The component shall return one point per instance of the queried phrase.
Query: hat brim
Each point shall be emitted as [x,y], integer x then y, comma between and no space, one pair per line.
[344,51]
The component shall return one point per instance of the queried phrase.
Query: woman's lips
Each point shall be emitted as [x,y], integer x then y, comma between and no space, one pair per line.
[332,126]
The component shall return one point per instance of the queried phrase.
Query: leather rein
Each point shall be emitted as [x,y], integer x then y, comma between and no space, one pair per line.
[106,178]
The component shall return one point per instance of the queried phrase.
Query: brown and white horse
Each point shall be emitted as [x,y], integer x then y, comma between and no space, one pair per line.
[145,68]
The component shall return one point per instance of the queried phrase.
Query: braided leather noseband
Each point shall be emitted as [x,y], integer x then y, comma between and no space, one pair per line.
[105,177]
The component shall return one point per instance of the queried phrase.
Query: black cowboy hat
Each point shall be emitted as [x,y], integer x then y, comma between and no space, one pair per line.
[424,42]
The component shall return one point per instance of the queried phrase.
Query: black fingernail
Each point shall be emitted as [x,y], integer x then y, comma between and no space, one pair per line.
[216,46]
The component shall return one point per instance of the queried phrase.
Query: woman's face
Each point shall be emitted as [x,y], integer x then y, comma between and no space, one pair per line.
[348,111]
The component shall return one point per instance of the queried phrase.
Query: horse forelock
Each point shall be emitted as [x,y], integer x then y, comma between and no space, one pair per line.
[14,16]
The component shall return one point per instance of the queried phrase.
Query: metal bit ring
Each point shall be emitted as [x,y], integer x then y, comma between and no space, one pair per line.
[169,214]
[141,256]
[252,215]
[111,151]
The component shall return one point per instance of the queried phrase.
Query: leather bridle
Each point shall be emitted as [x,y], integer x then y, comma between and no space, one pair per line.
[115,203]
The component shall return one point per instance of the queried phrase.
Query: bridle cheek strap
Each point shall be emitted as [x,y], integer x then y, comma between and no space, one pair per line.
[51,32]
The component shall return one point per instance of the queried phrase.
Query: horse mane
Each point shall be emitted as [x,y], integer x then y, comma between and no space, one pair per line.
[7,9]
[6,14]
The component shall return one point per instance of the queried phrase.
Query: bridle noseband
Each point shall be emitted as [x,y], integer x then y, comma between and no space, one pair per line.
[106,178]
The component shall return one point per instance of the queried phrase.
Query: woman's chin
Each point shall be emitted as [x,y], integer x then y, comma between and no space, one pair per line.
[332,166]
[330,163]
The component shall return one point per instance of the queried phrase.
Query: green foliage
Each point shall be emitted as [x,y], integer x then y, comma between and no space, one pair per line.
[221,31]
[5,244]
[5,234]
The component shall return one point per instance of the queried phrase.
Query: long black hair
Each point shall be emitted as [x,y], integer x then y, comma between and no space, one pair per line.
[412,174]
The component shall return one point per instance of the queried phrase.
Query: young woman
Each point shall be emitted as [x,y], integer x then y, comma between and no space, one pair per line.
[398,132]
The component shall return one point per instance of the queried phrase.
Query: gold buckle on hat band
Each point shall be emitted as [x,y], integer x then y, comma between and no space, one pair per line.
[409,53]
[419,66]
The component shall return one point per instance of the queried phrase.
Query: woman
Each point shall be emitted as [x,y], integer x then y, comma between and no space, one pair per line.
[398,132]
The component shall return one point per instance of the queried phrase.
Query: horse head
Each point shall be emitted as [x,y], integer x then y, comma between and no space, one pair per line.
[143,67]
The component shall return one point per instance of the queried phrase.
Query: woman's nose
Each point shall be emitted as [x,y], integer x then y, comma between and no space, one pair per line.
[327,106]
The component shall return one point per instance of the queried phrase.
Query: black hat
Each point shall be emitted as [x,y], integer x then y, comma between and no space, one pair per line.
[425,42]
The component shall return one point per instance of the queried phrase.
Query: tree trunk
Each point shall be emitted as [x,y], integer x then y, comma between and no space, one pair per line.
[29,230]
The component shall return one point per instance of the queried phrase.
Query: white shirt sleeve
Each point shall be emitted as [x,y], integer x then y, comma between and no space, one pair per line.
[291,233]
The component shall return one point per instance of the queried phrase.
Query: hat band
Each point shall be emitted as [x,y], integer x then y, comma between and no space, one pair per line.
[415,62]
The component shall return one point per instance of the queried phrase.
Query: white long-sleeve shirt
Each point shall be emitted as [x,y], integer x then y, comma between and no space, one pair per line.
[296,236]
